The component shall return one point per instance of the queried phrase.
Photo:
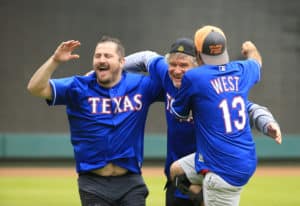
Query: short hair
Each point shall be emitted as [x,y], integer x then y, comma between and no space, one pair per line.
[120,47]
[181,55]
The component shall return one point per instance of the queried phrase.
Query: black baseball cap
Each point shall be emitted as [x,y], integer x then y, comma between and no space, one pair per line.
[183,45]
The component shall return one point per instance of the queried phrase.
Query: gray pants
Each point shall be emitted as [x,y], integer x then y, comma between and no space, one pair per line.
[125,190]
[216,191]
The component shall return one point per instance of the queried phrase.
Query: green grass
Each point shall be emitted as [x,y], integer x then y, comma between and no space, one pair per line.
[48,191]
[156,190]
[36,191]
[272,191]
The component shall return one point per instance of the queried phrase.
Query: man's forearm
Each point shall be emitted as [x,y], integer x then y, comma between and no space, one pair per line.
[39,83]
[260,117]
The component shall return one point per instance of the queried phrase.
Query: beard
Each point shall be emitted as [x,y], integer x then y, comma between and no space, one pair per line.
[108,78]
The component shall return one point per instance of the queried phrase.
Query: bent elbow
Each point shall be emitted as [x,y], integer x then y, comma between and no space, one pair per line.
[32,88]
[37,90]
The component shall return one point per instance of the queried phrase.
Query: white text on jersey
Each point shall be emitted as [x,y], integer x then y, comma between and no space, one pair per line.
[123,104]
[225,84]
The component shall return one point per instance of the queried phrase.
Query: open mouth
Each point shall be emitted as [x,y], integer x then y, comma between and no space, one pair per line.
[177,77]
[102,67]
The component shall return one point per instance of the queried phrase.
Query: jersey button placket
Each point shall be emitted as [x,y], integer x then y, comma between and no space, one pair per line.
[113,95]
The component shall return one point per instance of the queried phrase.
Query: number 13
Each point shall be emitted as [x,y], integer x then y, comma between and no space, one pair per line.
[240,123]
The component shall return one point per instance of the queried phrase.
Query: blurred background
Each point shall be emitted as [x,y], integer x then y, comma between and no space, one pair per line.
[31,30]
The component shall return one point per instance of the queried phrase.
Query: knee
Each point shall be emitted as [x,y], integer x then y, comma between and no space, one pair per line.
[175,170]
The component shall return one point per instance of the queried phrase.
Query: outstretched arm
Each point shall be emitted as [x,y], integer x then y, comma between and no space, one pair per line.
[262,119]
[139,61]
[39,83]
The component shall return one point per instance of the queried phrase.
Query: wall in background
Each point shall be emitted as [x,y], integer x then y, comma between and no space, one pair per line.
[31,30]
[39,146]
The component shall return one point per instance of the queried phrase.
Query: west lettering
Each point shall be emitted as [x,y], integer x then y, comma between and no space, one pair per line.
[225,84]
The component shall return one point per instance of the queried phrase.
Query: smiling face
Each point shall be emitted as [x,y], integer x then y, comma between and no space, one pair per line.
[179,63]
[108,64]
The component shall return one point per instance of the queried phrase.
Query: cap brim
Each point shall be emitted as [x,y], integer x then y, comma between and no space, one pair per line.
[215,60]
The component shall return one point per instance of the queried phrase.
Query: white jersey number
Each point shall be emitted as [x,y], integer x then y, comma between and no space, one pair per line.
[237,103]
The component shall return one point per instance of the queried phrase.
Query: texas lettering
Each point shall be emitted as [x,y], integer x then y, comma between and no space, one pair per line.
[115,105]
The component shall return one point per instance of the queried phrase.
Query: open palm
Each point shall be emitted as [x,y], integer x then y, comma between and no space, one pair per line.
[64,51]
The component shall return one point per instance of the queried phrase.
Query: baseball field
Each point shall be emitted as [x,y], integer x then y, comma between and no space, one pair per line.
[33,186]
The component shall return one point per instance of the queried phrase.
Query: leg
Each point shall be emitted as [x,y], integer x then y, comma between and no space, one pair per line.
[186,179]
[186,165]
[194,192]
[89,199]
[172,200]
[129,189]
[217,192]
[135,197]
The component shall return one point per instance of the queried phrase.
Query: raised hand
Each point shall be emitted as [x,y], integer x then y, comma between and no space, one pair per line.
[249,50]
[247,46]
[63,53]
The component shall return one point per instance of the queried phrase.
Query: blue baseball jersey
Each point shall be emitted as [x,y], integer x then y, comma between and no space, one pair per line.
[106,125]
[217,96]
[180,133]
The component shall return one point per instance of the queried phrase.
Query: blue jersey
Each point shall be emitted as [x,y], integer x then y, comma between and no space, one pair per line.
[106,125]
[180,133]
[217,96]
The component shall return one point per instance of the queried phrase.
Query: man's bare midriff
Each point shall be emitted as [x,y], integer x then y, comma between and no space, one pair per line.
[110,170]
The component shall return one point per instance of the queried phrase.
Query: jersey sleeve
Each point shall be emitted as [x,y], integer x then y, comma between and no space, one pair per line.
[154,64]
[253,70]
[158,68]
[248,105]
[60,90]
[181,104]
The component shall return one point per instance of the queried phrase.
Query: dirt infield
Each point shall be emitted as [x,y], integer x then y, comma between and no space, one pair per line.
[148,171]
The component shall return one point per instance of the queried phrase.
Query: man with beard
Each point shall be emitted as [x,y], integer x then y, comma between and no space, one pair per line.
[107,112]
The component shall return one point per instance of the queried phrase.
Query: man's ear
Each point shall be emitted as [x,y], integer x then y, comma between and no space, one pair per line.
[122,61]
